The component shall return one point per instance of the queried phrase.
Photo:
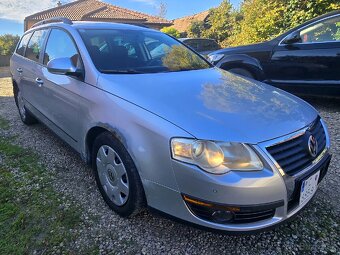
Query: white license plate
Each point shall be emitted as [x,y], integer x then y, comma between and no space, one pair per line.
[308,188]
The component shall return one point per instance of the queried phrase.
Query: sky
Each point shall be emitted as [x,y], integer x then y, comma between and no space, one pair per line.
[13,12]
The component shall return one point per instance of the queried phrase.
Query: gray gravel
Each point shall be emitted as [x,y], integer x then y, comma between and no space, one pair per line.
[315,230]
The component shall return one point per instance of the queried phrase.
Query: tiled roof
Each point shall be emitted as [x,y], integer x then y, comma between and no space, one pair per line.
[182,24]
[96,10]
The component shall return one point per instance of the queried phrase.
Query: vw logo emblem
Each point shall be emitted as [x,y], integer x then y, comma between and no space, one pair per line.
[312,146]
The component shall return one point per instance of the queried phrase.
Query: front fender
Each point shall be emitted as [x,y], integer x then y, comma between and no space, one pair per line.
[242,61]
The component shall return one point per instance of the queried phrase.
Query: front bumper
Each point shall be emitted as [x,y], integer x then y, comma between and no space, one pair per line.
[258,199]
[175,206]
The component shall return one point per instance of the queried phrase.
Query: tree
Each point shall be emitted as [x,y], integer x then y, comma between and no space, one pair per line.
[220,22]
[258,20]
[299,11]
[261,20]
[171,31]
[8,43]
[162,10]
[196,29]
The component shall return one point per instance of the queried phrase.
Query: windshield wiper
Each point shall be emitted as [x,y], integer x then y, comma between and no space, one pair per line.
[128,71]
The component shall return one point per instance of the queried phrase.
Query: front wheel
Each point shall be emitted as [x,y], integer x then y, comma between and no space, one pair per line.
[25,115]
[116,176]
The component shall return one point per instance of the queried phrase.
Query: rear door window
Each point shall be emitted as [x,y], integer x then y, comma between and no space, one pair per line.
[23,43]
[35,45]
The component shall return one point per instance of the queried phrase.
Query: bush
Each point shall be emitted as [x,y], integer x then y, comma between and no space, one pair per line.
[8,43]
[171,31]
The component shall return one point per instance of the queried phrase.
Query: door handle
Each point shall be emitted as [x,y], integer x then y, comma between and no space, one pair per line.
[19,70]
[39,81]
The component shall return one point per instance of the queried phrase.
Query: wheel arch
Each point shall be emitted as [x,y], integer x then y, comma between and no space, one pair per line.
[243,61]
[93,133]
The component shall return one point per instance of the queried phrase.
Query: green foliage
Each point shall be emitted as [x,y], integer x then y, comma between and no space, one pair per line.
[220,22]
[337,35]
[171,31]
[261,20]
[196,29]
[258,20]
[8,43]
[264,19]
[299,11]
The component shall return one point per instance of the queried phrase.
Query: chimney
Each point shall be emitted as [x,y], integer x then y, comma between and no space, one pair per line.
[59,3]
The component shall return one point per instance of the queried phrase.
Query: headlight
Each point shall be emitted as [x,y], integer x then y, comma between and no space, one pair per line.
[213,58]
[215,157]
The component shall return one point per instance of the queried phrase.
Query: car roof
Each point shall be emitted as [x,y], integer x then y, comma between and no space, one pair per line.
[107,25]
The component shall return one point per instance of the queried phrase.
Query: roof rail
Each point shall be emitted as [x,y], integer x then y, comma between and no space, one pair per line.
[53,20]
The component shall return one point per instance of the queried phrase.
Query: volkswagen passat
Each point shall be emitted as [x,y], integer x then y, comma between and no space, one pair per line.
[164,128]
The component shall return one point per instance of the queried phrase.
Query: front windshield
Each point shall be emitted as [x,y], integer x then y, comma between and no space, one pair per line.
[136,51]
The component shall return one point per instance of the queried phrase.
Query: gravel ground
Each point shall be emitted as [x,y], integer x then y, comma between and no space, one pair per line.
[314,231]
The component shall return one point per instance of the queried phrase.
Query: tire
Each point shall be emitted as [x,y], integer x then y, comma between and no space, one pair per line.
[25,115]
[242,72]
[116,176]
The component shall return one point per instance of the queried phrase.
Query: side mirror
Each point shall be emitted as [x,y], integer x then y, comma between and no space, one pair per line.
[63,66]
[293,38]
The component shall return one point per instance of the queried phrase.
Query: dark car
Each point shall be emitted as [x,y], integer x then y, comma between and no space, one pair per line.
[201,45]
[304,60]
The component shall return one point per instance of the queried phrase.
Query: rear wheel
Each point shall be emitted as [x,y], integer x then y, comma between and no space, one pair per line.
[25,115]
[242,72]
[116,176]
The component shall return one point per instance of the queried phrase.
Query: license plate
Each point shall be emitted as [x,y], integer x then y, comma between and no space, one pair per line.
[308,188]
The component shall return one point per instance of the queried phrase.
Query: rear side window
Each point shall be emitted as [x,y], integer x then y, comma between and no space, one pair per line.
[35,45]
[209,45]
[23,43]
[60,45]
[194,44]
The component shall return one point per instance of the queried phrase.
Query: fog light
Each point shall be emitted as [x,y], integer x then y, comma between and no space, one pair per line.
[223,216]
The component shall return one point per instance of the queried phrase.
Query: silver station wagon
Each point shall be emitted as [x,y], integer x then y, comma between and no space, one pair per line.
[163,128]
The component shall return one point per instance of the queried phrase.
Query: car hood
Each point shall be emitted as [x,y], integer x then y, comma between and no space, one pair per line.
[214,104]
[265,46]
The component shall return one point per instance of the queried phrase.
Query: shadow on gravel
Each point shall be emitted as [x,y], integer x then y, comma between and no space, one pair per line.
[329,104]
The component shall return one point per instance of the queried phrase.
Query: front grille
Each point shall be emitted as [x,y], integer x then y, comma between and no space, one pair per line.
[293,155]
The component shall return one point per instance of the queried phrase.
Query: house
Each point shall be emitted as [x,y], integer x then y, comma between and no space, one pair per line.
[95,10]
[183,24]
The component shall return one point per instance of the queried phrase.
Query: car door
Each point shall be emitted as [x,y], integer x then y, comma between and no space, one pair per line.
[18,63]
[31,70]
[61,92]
[311,65]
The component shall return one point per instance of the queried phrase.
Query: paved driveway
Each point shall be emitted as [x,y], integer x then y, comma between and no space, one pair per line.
[314,231]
